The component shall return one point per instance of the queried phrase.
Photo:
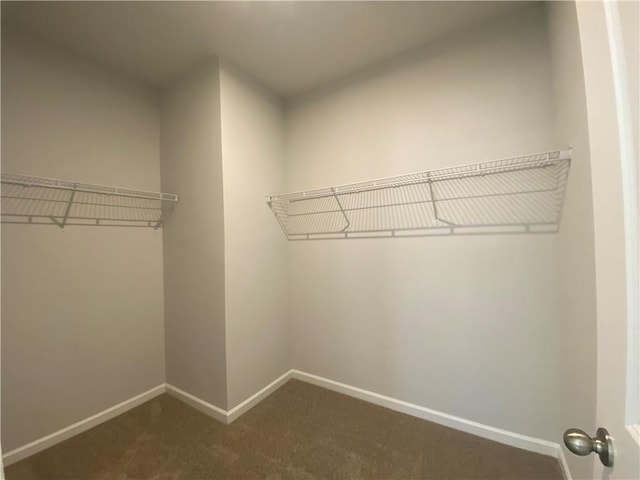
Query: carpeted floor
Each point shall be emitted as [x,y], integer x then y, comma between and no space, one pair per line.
[299,432]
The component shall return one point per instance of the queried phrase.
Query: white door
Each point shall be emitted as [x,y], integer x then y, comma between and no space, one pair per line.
[609,40]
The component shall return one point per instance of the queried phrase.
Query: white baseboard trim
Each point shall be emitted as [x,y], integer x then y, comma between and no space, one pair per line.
[564,465]
[499,435]
[199,404]
[228,416]
[253,400]
[82,426]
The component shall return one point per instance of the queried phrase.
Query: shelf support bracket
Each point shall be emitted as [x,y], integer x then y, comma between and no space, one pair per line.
[160,221]
[433,197]
[67,210]
[434,203]
[342,210]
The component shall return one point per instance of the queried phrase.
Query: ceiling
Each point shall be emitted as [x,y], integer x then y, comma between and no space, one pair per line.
[291,47]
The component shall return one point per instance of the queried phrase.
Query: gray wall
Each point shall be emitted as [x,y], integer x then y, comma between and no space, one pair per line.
[257,328]
[194,273]
[82,314]
[464,325]
[577,262]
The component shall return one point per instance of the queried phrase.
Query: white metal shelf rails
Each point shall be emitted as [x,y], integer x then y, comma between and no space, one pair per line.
[38,200]
[514,195]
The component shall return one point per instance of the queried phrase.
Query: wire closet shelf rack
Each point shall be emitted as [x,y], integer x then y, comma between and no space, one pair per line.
[49,201]
[514,195]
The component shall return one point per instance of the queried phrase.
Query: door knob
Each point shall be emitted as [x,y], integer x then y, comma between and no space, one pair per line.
[582,444]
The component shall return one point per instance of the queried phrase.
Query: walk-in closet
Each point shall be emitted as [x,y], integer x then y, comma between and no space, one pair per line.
[320,240]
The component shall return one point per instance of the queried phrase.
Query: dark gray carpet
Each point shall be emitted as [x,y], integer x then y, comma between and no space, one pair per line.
[299,432]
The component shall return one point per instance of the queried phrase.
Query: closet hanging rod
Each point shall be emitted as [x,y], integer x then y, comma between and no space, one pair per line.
[418,202]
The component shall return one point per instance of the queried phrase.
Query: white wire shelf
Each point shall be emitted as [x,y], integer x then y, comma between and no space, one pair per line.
[513,195]
[49,201]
